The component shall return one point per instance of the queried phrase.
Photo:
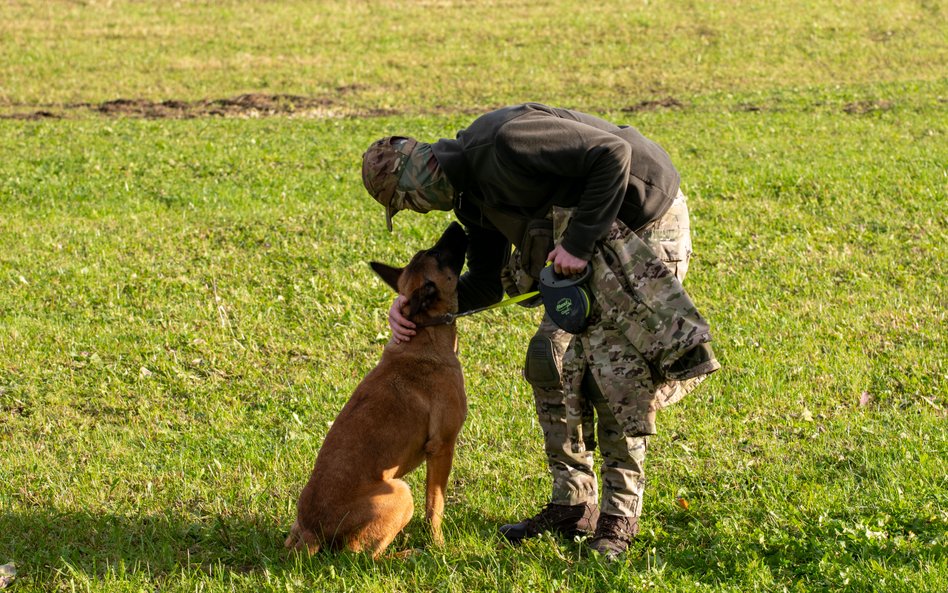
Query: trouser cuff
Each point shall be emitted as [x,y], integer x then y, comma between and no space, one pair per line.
[573,497]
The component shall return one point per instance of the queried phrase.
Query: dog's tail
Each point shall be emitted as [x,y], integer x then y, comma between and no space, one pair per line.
[301,539]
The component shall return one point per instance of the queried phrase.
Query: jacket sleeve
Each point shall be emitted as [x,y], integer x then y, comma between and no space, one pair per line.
[539,144]
[487,254]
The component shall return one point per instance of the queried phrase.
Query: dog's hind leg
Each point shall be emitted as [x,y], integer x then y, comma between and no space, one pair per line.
[436,482]
[387,510]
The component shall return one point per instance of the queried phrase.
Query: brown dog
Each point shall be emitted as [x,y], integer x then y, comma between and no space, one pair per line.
[408,409]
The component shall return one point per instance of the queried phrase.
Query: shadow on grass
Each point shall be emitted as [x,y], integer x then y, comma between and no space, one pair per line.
[815,548]
[47,539]
[44,542]
[47,543]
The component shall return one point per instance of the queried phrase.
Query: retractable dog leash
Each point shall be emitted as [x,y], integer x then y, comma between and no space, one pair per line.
[566,299]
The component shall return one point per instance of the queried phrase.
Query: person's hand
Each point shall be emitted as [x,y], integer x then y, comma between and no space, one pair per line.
[402,328]
[565,263]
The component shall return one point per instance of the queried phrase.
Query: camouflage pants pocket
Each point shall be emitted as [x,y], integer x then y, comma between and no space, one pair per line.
[623,476]
[670,237]
[623,456]
[574,480]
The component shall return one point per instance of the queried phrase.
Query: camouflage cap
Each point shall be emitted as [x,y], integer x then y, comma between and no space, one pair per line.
[381,167]
[403,174]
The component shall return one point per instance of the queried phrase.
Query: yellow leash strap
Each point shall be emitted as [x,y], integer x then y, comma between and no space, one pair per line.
[450,317]
[511,301]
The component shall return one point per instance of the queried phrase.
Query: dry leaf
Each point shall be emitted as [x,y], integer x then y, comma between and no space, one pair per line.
[7,574]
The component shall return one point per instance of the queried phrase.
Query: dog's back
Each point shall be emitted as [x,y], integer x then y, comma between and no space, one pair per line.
[408,409]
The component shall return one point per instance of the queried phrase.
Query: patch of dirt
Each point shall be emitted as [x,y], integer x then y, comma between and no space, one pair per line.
[247,105]
[864,107]
[253,105]
[666,103]
[33,115]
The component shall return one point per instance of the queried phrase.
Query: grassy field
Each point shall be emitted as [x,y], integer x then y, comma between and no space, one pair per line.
[186,304]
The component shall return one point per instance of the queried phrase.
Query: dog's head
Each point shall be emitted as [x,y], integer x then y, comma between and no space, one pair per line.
[430,280]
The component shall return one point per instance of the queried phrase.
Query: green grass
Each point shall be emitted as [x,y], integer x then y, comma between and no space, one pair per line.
[451,56]
[186,304]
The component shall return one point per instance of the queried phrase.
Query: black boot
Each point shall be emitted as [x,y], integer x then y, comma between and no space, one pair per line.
[614,534]
[563,519]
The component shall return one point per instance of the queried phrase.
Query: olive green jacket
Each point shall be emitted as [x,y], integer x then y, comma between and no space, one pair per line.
[521,161]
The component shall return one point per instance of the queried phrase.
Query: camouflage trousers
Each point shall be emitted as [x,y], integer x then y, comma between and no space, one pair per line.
[591,364]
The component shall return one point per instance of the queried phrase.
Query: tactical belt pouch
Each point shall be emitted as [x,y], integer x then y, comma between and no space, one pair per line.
[533,239]
[566,300]
[536,244]
[516,281]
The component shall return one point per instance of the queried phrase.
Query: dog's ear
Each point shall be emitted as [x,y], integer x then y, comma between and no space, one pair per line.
[422,299]
[387,273]
[451,247]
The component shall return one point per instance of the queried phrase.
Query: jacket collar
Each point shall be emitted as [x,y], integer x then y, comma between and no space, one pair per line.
[450,156]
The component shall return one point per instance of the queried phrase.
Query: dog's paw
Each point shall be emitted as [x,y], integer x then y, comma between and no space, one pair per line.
[298,541]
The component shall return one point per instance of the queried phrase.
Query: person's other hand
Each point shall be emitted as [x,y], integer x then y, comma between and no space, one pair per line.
[565,263]
[402,328]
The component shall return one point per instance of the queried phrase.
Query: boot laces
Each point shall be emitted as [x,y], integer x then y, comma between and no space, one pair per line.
[616,528]
[554,514]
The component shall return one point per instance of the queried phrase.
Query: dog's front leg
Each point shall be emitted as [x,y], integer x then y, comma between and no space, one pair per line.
[438,467]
